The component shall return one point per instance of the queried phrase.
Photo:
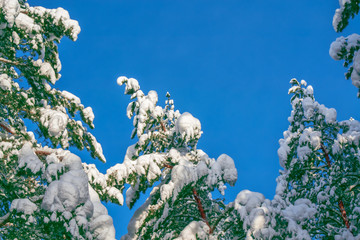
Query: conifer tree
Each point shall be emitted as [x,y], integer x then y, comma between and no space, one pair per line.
[165,159]
[44,192]
[317,194]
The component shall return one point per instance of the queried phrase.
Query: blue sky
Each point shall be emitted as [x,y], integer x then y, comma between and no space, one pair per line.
[228,63]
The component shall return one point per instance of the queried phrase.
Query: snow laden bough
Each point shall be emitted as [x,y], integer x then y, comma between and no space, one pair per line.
[165,158]
[67,201]
[347,48]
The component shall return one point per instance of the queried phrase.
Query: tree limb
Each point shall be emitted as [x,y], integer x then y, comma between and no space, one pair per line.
[6,128]
[10,62]
[340,202]
[201,209]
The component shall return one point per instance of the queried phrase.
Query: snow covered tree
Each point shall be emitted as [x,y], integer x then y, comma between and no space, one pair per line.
[182,177]
[347,48]
[44,191]
[318,193]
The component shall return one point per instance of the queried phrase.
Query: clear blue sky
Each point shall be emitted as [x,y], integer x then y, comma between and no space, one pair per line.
[227,62]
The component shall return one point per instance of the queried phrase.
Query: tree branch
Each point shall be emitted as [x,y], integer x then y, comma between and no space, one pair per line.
[221,217]
[6,128]
[326,155]
[201,209]
[10,62]
[340,202]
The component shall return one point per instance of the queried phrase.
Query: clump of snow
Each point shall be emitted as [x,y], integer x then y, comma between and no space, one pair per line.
[29,160]
[301,210]
[47,70]
[11,9]
[195,230]
[71,195]
[88,114]
[101,223]
[188,126]
[132,85]
[23,205]
[254,211]
[26,23]
[55,121]
[71,97]
[5,82]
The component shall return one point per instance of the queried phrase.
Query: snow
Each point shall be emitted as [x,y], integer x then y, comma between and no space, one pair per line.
[5,82]
[59,15]
[72,193]
[195,230]
[23,205]
[47,70]
[11,9]
[302,210]
[188,126]
[71,97]
[101,223]
[132,85]
[88,114]
[228,167]
[26,23]
[55,121]
[29,160]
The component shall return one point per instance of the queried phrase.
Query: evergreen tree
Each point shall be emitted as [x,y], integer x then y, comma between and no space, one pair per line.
[44,192]
[317,194]
[165,159]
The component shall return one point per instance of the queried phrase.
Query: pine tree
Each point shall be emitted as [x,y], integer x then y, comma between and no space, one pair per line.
[44,192]
[165,159]
[317,194]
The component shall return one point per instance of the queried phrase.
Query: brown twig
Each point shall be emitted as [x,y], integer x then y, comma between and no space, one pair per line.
[340,202]
[201,209]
